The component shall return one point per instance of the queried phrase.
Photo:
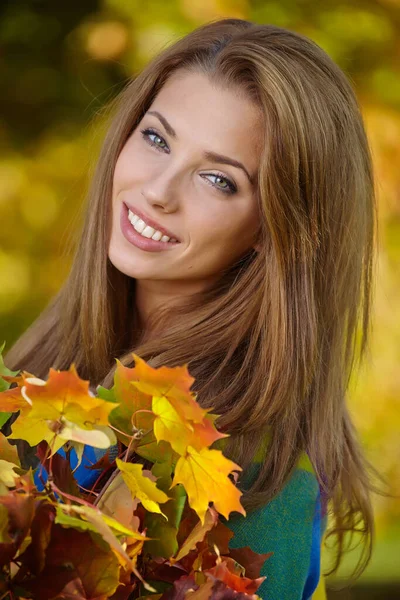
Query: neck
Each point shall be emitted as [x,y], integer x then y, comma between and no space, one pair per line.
[153,296]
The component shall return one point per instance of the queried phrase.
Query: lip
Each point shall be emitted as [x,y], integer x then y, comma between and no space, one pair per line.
[134,238]
[151,222]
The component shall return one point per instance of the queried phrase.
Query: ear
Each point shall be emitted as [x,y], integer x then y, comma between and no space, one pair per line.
[257,247]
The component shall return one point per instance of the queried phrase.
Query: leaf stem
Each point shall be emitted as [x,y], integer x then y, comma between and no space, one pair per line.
[69,496]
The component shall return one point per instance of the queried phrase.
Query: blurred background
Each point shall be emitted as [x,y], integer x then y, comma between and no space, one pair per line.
[60,65]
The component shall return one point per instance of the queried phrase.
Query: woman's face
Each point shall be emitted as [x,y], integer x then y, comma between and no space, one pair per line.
[169,184]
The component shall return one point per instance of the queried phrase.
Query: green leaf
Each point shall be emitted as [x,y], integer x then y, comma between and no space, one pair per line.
[106,394]
[4,385]
[165,534]
[70,521]
[4,416]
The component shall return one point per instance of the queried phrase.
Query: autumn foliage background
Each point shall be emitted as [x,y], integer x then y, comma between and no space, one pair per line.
[62,62]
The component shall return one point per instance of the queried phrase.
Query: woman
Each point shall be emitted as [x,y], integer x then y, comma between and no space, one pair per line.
[230,226]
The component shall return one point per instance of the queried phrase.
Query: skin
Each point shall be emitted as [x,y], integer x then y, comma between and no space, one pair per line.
[181,190]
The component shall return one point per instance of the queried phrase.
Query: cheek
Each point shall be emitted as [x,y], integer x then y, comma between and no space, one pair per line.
[226,231]
[130,166]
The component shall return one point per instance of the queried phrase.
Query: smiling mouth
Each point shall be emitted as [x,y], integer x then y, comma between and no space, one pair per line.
[147,231]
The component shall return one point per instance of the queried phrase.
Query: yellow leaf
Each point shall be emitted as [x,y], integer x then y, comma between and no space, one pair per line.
[8,451]
[173,383]
[61,408]
[170,426]
[142,487]
[204,476]
[7,475]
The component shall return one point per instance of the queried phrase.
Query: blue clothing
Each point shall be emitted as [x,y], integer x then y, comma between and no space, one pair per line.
[291,526]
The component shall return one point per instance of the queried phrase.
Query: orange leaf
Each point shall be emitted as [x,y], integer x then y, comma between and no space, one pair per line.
[130,401]
[172,382]
[62,408]
[204,476]
[226,571]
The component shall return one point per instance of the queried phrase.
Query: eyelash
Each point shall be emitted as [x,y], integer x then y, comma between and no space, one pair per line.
[232,189]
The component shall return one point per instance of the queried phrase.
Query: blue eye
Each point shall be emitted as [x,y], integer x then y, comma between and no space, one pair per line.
[229,189]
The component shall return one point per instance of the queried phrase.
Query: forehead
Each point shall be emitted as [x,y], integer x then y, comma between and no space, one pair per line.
[212,116]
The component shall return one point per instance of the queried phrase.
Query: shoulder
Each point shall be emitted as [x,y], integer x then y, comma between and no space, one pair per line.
[290,526]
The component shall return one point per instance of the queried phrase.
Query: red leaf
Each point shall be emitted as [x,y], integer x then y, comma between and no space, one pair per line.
[60,468]
[227,570]
[180,588]
[249,560]
[74,555]
[20,509]
[34,556]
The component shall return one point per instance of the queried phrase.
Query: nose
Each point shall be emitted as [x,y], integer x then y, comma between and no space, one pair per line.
[161,192]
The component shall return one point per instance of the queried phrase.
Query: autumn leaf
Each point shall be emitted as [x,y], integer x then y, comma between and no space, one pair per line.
[91,519]
[227,571]
[164,534]
[7,474]
[173,383]
[8,451]
[170,425]
[130,401]
[249,560]
[117,502]
[74,556]
[4,371]
[142,487]
[62,409]
[204,476]
[197,534]
[13,399]
[205,433]
[20,508]
[35,554]
[148,447]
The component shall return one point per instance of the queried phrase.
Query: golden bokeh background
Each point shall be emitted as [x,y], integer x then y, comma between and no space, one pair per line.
[60,65]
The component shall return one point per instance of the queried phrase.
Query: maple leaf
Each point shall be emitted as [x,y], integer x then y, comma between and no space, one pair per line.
[230,573]
[62,409]
[74,556]
[204,476]
[173,383]
[164,534]
[205,433]
[20,508]
[142,487]
[170,425]
[130,401]
[7,474]
[8,451]
[35,554]
[87,518]
[251,561]
[197,534]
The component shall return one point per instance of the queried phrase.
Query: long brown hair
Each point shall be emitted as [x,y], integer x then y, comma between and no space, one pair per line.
[273,344]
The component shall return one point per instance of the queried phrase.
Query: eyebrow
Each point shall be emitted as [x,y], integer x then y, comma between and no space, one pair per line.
[208,155]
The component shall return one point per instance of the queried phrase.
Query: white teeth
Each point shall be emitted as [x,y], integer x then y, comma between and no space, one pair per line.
[139,226]
[149,232]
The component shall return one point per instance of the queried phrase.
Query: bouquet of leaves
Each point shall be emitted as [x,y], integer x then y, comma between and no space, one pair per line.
[139,532]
